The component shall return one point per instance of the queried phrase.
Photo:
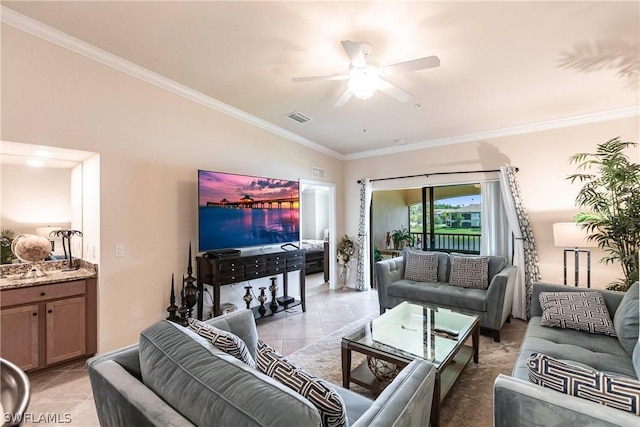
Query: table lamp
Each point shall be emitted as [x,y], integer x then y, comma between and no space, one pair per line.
[571,235]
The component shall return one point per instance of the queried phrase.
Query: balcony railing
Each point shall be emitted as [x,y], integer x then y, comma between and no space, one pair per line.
[450,242]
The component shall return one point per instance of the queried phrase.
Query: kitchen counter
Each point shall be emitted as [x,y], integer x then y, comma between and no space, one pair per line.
[12,274]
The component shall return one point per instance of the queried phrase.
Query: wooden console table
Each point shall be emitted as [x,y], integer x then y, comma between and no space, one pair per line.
[220,271]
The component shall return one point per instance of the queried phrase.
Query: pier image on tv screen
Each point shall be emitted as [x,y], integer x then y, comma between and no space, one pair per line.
[236,211]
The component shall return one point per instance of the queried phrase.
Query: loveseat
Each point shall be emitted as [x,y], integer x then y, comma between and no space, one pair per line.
[519,402]
[175,377]
[492,304]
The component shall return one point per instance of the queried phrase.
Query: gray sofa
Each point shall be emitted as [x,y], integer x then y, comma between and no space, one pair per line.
[518,402]
[174,377]
[492,305]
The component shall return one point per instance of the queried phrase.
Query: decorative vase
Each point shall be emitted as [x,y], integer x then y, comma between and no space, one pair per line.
[345,274]
[248,297]
[383,370]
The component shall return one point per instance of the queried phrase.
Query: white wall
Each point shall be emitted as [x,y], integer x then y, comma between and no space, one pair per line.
[389,213]
[315,213]
[151,144]
[543,161]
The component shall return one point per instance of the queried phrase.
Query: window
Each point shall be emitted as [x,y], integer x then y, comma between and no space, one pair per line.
[454,225]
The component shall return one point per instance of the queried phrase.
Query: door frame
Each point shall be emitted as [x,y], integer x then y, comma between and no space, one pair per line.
[331,187]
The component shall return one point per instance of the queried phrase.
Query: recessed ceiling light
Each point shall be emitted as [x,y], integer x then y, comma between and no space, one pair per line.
[35,163]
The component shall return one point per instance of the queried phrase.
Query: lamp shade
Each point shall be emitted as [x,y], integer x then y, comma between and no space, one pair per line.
[570,235]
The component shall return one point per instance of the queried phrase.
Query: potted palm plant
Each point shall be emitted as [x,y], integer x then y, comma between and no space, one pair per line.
[610,197]
[402,237]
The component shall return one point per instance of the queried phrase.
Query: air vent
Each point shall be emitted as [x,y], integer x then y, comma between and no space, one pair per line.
[298,117]
[317,173]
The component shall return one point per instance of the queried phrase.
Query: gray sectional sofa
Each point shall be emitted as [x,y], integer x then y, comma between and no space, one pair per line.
[521,403]
[492,305]
[174,377]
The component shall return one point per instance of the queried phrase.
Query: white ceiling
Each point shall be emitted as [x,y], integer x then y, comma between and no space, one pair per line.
[506,67]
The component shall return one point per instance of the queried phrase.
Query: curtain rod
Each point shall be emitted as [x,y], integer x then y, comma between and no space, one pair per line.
[426,175]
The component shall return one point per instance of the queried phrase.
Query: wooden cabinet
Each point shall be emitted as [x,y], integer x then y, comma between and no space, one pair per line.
[43,325]
[225,270]
[19,328]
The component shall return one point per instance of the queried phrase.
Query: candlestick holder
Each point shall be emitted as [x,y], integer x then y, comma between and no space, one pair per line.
[248,297]
[190,290]
[262,298]
[273,288]
[172,304]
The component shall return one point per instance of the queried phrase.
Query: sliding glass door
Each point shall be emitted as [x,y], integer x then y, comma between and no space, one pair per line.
[447,219]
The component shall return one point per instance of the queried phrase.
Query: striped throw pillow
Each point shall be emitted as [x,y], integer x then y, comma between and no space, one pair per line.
[225,341]
[328,402]
[616,392]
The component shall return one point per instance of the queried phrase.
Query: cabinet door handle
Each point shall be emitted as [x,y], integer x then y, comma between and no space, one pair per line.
[42,294]
[34,314]
[49,311]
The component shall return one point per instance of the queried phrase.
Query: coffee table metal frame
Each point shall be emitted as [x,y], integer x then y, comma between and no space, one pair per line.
[447,371]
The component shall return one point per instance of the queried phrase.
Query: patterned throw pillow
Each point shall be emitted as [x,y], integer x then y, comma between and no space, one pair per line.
[329,403]
[616,392]
[469,271]
[421,266]
[583,311]
[225,341]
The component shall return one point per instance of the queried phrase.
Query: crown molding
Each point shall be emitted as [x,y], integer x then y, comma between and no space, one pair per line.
[66,41]
[600,116]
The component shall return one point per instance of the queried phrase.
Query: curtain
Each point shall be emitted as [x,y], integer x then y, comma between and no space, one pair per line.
[364,245]
[496,234]
[525,255]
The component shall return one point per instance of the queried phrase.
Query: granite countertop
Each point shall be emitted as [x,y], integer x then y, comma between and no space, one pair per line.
[13,274]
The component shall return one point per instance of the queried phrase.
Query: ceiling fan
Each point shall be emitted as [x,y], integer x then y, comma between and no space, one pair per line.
[365,79]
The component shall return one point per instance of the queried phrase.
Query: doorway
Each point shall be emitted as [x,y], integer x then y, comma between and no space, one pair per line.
[318,219]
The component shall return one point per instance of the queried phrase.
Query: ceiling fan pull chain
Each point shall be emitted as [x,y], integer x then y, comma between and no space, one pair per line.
[364,115]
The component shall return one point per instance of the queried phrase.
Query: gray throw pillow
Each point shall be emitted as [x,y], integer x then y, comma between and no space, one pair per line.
[469,271]
[421,266]
[625,319]
[583,311]
[319,392]
[225,341]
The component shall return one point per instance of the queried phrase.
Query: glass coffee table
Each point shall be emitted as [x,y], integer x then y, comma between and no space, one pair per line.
[409,331]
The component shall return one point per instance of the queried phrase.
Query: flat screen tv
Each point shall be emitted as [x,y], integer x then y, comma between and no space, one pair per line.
[239,211]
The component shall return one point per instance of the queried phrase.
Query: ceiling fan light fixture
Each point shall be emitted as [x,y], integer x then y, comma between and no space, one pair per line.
[363,82]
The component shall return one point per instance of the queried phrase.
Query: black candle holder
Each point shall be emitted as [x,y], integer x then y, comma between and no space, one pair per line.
[248,297]
[172,304]
[183,311]
[273,288]
[262,298]
[190,290]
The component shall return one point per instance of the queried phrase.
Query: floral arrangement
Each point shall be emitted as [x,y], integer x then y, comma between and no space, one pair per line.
[346,249]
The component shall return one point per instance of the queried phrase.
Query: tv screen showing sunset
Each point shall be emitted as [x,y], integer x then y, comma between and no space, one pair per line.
[237,211]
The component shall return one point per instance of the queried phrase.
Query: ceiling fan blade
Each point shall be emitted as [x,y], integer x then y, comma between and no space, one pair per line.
[354,52]
[413,65]
[393,91]
[316,78]
[346,96]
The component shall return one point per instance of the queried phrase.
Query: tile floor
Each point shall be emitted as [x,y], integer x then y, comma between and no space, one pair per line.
[63,393]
